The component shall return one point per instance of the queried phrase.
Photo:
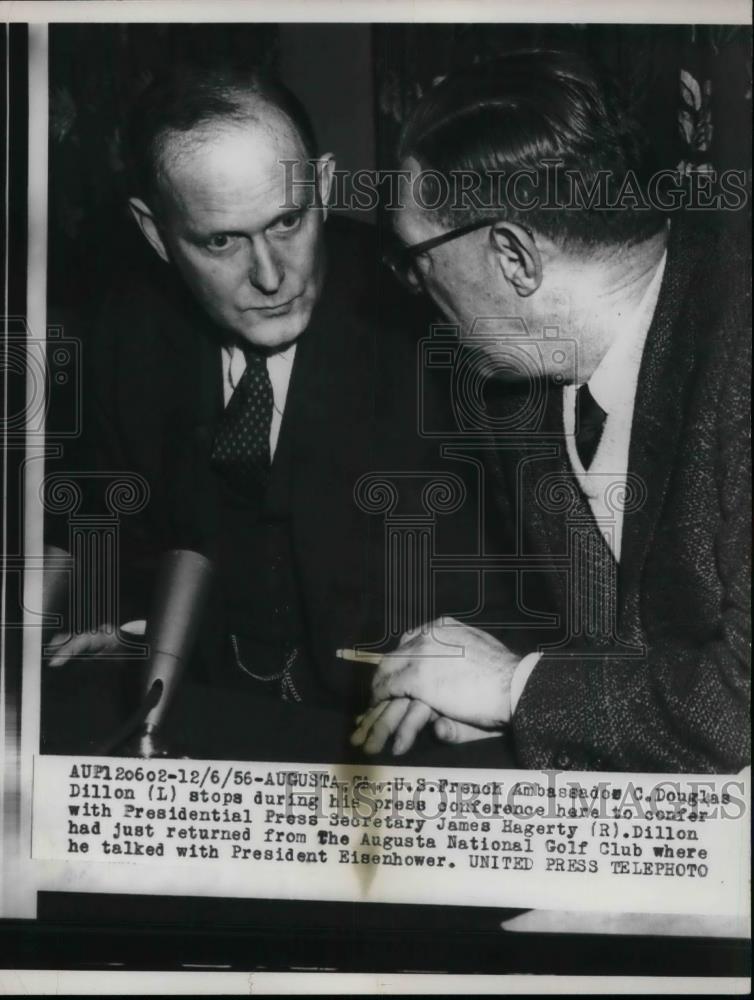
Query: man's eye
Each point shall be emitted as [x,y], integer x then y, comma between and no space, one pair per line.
[220,242]
[288,223]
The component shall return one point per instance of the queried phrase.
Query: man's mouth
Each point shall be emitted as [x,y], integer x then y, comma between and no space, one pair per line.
[276,310]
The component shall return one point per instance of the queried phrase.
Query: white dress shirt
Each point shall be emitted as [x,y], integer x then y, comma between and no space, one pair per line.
[613,386]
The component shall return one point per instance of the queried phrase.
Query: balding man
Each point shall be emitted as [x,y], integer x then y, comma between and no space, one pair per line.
[243,378]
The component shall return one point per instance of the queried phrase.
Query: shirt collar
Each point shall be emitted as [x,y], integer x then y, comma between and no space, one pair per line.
[614,380]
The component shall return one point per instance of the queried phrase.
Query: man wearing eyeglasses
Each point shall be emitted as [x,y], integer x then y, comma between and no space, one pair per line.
[618,492]
[243,374]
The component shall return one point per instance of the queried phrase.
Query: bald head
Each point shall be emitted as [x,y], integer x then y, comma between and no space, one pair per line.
[185,108]
[215,153]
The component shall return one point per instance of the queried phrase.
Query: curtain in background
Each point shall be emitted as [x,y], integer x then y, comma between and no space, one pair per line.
[689,86]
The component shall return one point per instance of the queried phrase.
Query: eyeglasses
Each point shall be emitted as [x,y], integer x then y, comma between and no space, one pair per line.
[402,260]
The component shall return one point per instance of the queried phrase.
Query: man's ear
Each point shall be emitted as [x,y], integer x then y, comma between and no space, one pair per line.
[325,172]
[518,256]
[145,220]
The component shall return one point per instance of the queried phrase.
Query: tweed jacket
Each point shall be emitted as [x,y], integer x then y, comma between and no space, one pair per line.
[646,665]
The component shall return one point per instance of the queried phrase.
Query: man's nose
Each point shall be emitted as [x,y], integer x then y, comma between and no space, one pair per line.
[265,271]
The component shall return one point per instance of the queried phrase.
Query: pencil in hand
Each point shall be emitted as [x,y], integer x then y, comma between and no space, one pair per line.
[357,656]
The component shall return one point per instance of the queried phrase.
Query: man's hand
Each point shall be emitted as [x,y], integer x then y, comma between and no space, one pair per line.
[425,680]
[405,718]
[104,641]
[400,716]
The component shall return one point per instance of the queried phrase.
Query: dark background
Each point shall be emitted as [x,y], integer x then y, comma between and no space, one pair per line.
[359,82]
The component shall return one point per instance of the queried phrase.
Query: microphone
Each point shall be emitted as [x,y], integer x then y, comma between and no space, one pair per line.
[180,597]
[56,578]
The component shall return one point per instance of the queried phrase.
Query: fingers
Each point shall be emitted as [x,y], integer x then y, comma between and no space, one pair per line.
[68,648]
[58,639]
[385,725]
[430,628]
[411,634]
[389,679]
[416,718]
[403,672]
[65,647]
[393,662]
[450,731]
[402,716]
[396,661]
[365,721]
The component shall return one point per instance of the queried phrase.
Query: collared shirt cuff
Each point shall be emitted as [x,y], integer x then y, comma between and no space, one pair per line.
[521,676]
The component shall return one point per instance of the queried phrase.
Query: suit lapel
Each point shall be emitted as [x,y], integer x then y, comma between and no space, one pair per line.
[187,352]
[326,395]
[302,416]
[535,472]
[658,408]
[322,437]
[206,406]
[547,490]
[555,528]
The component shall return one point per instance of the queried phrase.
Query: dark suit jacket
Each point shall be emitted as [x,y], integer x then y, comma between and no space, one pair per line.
[156,394]
[666,686]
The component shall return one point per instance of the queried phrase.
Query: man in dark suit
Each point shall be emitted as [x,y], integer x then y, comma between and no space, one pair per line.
[251,374]
[617,461]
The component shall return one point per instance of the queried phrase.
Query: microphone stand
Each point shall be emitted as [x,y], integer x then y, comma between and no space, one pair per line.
[180,597]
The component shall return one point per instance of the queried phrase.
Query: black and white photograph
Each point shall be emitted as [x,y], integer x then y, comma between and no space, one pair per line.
[377,494]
